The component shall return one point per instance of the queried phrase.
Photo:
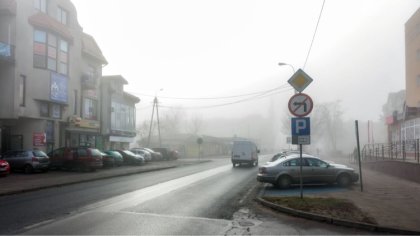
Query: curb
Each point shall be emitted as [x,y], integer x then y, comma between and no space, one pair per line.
[334,221]
[54,185]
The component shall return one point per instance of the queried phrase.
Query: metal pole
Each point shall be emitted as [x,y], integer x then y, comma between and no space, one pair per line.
[418,151]
[301,179]
[358,153]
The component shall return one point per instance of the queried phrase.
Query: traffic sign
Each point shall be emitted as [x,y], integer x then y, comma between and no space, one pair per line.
[300,80]
[300,105]
[301,130]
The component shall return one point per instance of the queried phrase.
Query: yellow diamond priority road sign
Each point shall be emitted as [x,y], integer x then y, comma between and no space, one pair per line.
[300,80]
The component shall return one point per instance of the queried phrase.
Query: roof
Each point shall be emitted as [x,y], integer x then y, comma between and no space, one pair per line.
[132,97]
[115,77]
[44,21]
[91,48]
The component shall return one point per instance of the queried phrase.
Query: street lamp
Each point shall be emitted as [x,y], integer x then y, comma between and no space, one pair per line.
[286,64]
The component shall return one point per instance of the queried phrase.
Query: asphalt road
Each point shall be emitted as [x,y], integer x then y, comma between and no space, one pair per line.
[208,198]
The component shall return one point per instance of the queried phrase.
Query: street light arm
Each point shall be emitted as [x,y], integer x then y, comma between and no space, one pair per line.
[286,64]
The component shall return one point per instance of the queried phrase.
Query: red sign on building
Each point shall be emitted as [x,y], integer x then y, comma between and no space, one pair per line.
[39,139]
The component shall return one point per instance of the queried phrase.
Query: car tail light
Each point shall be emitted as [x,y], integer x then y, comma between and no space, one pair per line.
[263,170]
[35,159]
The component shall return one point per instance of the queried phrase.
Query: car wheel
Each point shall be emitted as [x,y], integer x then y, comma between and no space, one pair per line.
[343,180]
[28,169]
[284,182]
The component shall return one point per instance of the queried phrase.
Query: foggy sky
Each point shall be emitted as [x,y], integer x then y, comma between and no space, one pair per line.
[220,48]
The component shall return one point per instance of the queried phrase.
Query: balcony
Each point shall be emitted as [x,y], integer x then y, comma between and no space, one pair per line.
[89,81]
[7,53]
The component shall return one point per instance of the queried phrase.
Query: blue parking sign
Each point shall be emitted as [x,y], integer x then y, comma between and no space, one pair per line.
[301,126]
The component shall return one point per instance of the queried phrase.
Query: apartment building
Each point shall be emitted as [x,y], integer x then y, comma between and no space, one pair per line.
[50,73]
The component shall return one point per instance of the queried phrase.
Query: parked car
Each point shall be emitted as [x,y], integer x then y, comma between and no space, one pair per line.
[4,168]
[156,156]
[285,171]
[131,158]
[107,160]
[244,152]
[27,160]
[167,153]
[147,155]
[118,158]
[83,158]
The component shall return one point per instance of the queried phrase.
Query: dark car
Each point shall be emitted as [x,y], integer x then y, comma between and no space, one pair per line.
[83,158]
[131,158]
[4,168]
[118,158]
[167,153]
[285,171]
[27,160]
[107,160]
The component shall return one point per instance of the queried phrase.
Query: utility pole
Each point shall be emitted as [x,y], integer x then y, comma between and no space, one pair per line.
[155,104]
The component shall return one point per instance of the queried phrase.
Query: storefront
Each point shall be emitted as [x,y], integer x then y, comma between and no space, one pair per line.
[82,132]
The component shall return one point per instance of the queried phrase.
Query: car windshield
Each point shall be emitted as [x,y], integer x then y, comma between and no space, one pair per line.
[38,153]
[129,153]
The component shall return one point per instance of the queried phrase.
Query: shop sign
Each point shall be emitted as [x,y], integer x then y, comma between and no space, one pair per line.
[83,123]
[39,139]
[90,93]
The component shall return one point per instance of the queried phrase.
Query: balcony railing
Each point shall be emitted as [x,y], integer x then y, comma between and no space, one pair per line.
[7,52]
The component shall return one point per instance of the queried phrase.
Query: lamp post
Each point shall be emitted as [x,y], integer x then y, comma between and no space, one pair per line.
[286,64]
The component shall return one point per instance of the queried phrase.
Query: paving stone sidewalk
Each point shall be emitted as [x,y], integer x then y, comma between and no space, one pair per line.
[392,201]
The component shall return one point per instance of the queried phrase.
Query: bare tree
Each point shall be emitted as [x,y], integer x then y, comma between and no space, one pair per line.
[195,124]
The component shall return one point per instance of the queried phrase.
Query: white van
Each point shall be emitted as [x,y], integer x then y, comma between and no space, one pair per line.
[244,152]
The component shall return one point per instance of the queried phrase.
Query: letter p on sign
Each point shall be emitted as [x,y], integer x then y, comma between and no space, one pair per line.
[301,126]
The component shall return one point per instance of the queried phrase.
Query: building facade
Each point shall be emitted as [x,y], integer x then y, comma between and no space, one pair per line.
[404,121]
[118,113]
[50,73]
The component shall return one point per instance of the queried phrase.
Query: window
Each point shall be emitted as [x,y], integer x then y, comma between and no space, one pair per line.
[41,5]
[75,103]
[50,52]
[55,111]
[22,90]
[122,117]
[45,111]
[90,109]
[62,16]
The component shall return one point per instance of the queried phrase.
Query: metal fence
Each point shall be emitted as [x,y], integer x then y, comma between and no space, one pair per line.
[408,150]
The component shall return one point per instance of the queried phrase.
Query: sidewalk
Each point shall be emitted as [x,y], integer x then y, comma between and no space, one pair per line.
[392,201]
[19,182]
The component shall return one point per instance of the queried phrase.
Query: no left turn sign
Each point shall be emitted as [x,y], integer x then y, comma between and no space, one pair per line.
[300,105]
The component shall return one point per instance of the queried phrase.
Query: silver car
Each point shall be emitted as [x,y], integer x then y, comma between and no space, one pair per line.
[27,160]
[286,171]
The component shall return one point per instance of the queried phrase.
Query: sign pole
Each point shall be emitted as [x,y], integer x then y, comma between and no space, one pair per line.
[358,154]
[301,164]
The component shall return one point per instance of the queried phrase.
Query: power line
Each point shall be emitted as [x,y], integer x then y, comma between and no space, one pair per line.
[259,96]
[215,98]
[313,37]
